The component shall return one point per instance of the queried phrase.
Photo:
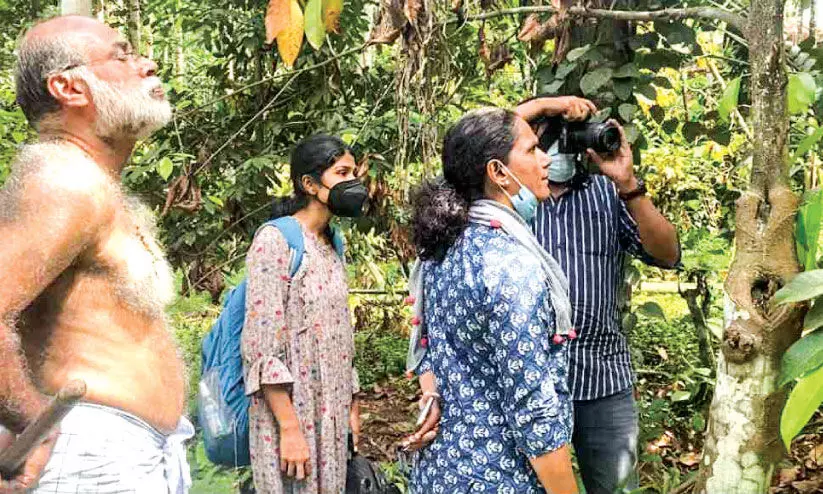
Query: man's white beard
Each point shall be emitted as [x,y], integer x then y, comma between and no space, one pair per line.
[127,112]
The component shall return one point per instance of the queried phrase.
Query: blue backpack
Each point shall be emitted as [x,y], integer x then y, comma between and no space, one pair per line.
[223,407]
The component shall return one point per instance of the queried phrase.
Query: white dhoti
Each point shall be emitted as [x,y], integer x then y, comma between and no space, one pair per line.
[106,451]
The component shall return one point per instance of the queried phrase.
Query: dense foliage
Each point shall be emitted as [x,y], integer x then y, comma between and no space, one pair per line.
[680,88]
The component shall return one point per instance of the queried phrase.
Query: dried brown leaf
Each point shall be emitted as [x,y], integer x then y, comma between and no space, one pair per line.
[529,28]
[388,23]
[411,9]
[788,475]
[808,486]
[483,48]
[690,458]
[278,15]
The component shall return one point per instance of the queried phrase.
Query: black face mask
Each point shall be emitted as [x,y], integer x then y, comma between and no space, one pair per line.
[347,198]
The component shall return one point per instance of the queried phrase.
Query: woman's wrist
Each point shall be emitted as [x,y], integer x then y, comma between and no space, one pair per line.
[432,394]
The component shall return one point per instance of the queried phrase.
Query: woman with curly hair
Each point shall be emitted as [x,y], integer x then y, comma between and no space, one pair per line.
[492,317]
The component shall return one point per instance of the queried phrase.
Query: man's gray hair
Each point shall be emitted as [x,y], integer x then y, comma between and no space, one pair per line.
[38,59]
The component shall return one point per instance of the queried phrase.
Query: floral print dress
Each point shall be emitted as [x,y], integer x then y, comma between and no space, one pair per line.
[503,382]
[301,338]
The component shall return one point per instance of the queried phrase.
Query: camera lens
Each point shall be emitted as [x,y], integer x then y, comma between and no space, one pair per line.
[607,138]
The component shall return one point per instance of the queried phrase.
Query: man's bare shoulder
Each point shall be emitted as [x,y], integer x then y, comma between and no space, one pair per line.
[49,177]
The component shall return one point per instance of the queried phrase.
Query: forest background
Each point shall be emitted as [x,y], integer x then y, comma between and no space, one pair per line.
[390,76]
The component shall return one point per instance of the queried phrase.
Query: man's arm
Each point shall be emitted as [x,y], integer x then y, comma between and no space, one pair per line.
[657,234]
[46,222]
[570,107]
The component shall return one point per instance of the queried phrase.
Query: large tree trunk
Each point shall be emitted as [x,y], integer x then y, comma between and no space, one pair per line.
[135,25]
[813,21]
[742,439]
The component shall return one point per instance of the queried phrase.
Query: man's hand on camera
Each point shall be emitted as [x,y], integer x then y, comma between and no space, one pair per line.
[569,107]
[617,166]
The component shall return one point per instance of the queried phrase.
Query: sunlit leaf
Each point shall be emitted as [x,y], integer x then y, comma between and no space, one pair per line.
[728,102]
[814,318]
[164,168]
[290,38]
[800,92]
[803,401]
[804,286]
[315,28]
[807,143]
[803,357]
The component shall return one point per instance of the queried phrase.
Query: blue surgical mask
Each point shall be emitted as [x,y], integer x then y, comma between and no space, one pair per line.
[524,202]
[562,167]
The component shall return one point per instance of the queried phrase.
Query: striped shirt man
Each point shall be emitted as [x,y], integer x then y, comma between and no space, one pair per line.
[588,230]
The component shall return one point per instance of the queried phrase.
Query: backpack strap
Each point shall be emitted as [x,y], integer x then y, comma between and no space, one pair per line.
[337,242]
[293,233]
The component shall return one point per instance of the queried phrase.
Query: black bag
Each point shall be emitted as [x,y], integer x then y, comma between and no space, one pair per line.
[364,477]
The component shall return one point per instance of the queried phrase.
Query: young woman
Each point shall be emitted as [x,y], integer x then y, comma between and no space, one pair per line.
[492,317]
[297,340]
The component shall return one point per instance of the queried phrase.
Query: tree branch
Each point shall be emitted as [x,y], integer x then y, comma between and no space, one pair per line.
[235,92]
[702,13]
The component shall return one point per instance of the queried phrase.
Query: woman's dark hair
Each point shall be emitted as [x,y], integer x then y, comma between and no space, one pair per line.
[440,207]
[312,157]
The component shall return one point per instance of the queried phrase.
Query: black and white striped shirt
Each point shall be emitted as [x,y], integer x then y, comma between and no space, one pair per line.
[588,231]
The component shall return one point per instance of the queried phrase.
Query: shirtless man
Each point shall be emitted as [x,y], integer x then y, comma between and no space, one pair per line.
[83,283]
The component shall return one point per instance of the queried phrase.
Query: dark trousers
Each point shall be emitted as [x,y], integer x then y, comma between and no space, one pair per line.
[605,442]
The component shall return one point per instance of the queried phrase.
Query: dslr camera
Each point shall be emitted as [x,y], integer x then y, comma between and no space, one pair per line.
[577,137]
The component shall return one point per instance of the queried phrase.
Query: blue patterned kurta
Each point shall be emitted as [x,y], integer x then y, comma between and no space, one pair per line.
[505,397]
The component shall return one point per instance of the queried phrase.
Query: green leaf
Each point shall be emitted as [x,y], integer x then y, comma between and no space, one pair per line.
[657,113]
[554,87]
[801,358]
[693,130]
[814,318]
[698,422]
[564,69]
[626,111]
[631,132]
[675,32]
[315,28]
[804,286]
[648,91]
[165,167]
[803,401]
[680,396]
[728,102]
[808,224]
[629,322]
[652,309]
[628,70]
[801,92]
[594,80]
[807,143]
[623,89]
[577,53]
